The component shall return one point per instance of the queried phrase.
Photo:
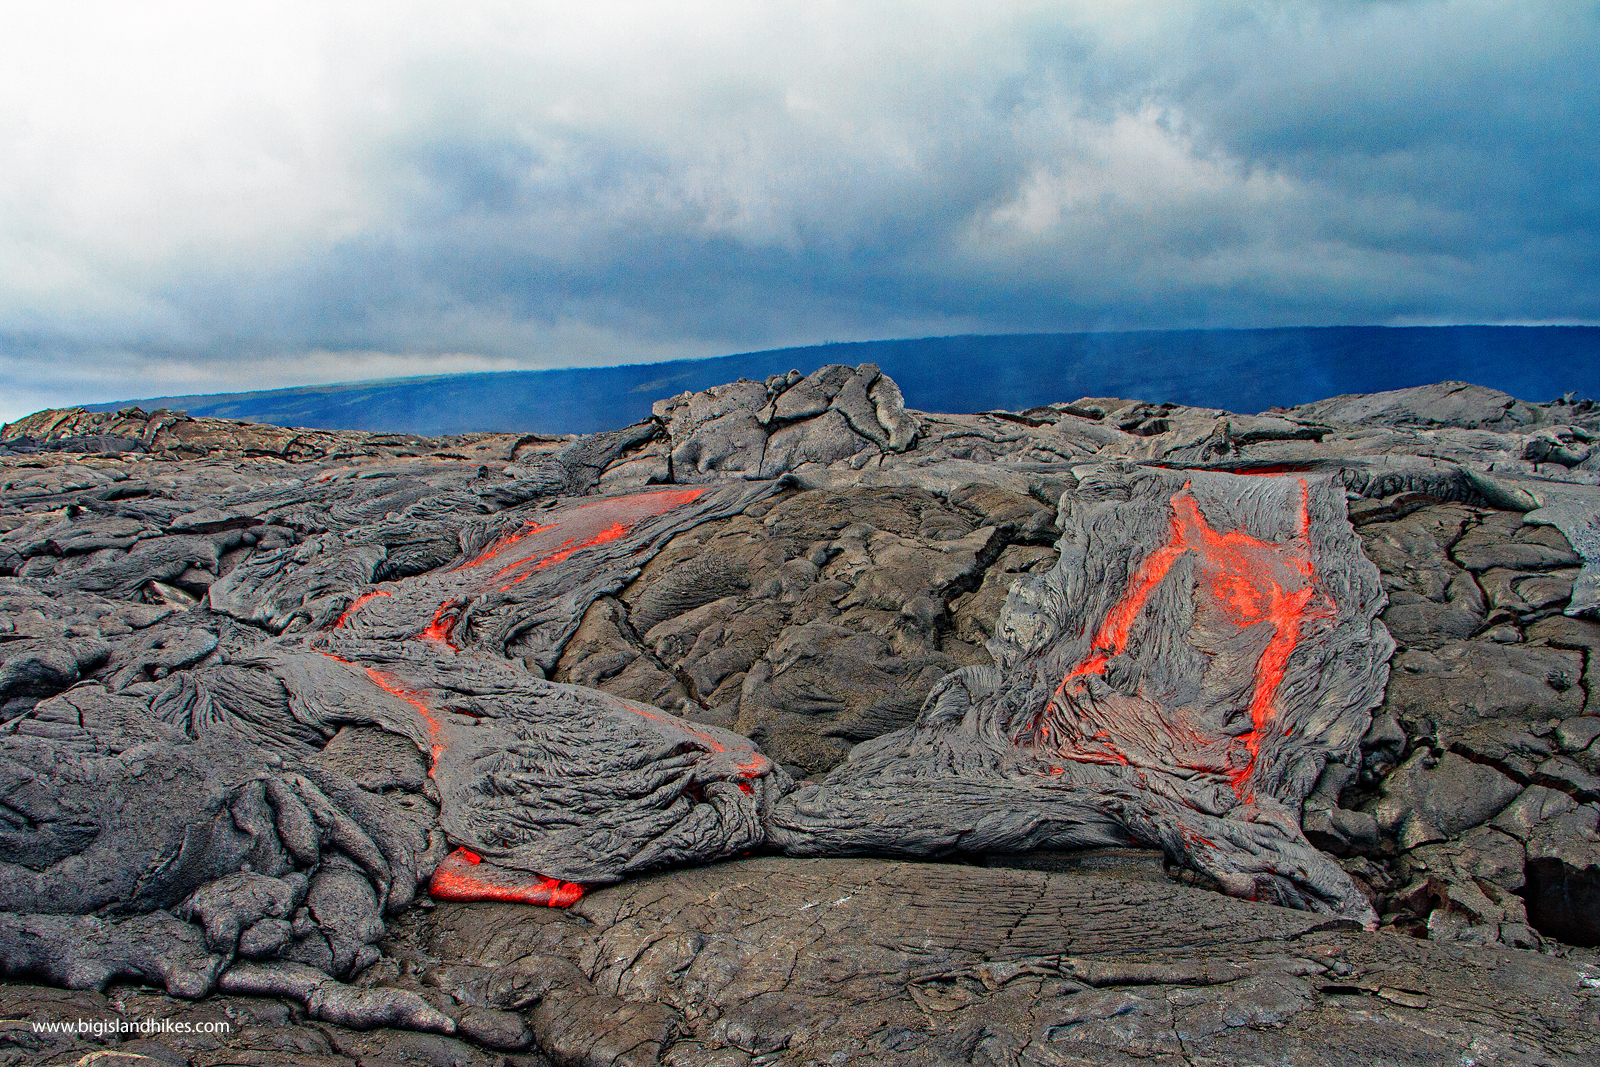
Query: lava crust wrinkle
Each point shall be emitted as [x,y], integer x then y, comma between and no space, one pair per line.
[1205,645]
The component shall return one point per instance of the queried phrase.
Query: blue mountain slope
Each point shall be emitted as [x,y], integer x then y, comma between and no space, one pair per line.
[1240,370]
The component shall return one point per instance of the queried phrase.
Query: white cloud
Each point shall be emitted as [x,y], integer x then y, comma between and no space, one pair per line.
[1135,164]
[543,183]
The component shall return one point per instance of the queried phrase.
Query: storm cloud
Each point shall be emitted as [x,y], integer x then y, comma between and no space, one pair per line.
[201,197]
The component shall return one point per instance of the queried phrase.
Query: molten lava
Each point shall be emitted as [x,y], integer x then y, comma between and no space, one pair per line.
[1242,582]
[357,605]
[532,548]
[464,876]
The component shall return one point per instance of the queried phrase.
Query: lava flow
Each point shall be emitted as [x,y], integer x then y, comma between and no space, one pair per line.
[520,555]
[615,532]
[464,876]
[391,685]
[1245,582]
[585,526]
[359,602]
[438,630]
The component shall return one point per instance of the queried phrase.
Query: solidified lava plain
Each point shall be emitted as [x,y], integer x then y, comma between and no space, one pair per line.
[795,726]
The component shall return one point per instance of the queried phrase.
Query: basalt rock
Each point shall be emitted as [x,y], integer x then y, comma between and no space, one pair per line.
[261,689]
[1204,646]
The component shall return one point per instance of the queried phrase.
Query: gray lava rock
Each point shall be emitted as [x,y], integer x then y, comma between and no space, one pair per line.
[259,687]
[1106,722]
[1430,800]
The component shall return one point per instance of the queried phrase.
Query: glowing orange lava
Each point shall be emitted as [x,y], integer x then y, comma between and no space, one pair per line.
[455,879]
[438,631]
[529,528]
[1247,582]
[391,685]
[360,601]
[623,513]
[596,523]
[615,532]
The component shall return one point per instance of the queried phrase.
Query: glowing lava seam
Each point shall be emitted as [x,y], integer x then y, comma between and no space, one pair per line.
[1236,572]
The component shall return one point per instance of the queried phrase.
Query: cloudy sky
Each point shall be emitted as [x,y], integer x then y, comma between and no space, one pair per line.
[202,197]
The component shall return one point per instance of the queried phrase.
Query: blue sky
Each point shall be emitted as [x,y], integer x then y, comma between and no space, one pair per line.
[211,197]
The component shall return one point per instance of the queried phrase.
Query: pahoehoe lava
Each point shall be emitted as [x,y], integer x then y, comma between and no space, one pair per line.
[262,690]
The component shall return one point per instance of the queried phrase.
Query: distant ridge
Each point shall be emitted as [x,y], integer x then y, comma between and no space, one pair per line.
[1240,370]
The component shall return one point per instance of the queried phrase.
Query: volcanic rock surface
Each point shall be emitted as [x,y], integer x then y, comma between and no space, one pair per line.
[300,726]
